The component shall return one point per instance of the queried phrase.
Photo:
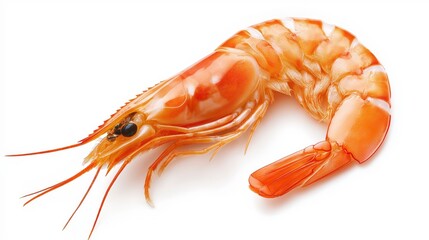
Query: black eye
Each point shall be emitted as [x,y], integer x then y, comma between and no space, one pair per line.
[129,129]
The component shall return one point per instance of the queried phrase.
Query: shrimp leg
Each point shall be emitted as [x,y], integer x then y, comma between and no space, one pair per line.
[171,152]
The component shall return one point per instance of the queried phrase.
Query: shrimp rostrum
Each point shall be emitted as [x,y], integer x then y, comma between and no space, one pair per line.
[325,68]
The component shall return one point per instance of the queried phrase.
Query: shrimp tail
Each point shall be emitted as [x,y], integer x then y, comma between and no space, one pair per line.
[299,169]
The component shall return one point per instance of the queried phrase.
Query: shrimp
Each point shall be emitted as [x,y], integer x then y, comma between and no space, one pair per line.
[325,68]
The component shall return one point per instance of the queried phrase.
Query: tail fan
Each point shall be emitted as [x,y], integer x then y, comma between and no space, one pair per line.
[298,169]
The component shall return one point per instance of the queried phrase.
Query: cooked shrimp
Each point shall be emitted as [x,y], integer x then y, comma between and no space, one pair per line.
[325,68]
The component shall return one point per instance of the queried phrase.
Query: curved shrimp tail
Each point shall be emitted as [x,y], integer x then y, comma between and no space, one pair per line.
[299,169]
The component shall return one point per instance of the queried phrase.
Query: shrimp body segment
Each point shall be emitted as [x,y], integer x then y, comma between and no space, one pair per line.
[333,77]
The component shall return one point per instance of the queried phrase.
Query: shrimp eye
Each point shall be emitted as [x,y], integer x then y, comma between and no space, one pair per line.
[129,129]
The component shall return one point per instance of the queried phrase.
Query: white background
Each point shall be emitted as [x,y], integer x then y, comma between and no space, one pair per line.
[67,65]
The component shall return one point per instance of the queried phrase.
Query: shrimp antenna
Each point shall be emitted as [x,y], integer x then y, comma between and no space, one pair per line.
[105,196]
[84,141]
[83,198]
[48,151]
[60,184]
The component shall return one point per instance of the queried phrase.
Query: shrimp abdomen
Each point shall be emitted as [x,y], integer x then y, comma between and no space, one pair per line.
[336,79]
